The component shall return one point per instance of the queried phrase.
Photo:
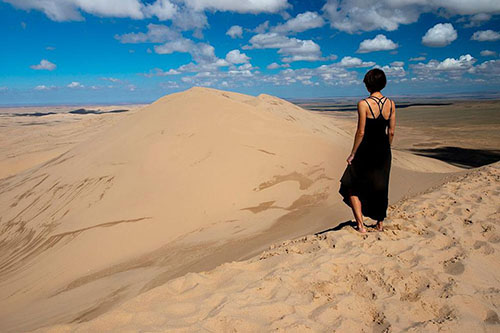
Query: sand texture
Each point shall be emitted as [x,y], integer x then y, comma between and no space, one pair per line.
[434,269]
[194,180]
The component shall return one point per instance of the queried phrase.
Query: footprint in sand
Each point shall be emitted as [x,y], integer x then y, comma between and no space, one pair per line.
[453,266]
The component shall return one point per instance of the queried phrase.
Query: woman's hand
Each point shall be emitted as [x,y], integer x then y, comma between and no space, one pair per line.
[350,158]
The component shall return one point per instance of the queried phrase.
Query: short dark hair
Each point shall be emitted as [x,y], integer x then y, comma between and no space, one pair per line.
[375,80]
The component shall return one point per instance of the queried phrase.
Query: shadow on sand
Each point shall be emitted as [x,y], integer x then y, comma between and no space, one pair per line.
[462,157]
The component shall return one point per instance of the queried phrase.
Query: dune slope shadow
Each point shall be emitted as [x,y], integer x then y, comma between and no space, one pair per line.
[462,157]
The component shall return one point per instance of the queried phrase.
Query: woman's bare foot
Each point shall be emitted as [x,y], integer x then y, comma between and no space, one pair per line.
[379,226]
[361,228]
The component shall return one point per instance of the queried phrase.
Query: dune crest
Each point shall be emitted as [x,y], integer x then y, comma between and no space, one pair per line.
[176,187]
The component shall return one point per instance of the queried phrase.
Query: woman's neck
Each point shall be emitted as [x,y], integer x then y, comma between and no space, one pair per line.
[376,94]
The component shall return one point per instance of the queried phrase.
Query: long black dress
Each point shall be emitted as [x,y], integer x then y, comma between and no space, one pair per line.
[367,177]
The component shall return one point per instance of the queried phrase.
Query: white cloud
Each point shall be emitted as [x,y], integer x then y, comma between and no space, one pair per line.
[111,79]
[75,84]
[156,33]
[182,45]
[70,10]
[261,28]
[379,43]
[397,63]
[486,36]
[303,22]
[162,9]
[43,87]
[355,62]
[236,57]
[169,85]
[394,73]
[475,20]
[275,65]
[189,19]
[161,72]
[421,58]
[490,69]
[450,68]
[440,35]
[366,15]
[292,49]
[235,32]
[239,6]
[44,65]
[488,53]
[464,62]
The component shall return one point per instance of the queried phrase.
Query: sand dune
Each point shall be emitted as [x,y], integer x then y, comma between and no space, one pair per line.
[29,140]
[435,268]
[195,179]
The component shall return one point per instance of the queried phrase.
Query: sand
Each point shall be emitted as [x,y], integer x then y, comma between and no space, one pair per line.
[33,135]
[434,269]
[194,180]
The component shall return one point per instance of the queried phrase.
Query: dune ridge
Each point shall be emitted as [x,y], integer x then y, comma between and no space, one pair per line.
[435,268]
[195,179]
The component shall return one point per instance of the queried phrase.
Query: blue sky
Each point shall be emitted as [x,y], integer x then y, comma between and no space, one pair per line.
[121,51]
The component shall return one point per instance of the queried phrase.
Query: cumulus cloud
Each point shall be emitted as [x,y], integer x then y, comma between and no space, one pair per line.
[365,15]
[488,53]
[161,72]
[182,45]
[184,14]
[464,62]
[75,84]
[421,58]
[355,62]
[70,10]
[235,32]
[440,35]
[379,43]
[261,28]
[43,87]
[397,63]
[393,72]
[490,69]
[302,22]
[475,20]
[156,33]
[236,57]
[111,79]
[162,9]
[44,65]
[275,65]
[240,6]
[486,36]
[292,49]
[450,67]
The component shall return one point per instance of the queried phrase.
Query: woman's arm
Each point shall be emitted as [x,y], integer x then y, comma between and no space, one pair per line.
[360,132]
[392,123]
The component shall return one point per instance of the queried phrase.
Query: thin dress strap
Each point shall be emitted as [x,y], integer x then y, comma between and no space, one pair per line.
[370,108]
[380,104]
[390,114]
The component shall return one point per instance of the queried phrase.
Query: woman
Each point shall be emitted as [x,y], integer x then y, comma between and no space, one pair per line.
[365,182]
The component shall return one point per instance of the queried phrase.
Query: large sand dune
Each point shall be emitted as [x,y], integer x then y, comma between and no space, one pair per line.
[193,180]
[435,269]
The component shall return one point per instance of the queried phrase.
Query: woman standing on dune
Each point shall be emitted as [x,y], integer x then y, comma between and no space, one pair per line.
[365,182]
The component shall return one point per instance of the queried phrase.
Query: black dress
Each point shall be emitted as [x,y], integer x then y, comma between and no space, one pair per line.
[367,177]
